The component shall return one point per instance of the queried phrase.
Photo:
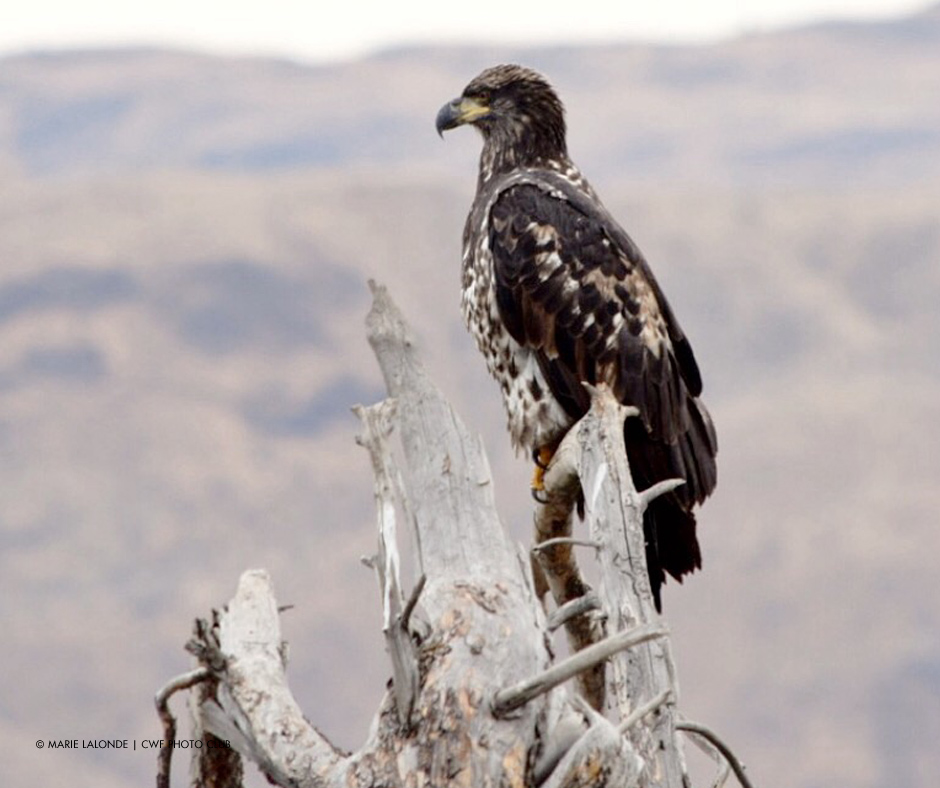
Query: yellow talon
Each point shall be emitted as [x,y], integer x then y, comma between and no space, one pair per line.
[542,457]
[538,479]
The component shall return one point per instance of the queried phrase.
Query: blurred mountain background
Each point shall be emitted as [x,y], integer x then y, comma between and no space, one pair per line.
[185,242]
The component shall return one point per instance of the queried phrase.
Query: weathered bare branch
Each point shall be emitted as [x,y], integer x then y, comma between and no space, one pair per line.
[614,515]
[707,733]
[518,695]
[558,564]
[705,746]
[413,600]
[253,707]
[475,592]
[162,702]
[654,491]
[377,424]
[452,493]
[564,540]
[216,764]
[574,608]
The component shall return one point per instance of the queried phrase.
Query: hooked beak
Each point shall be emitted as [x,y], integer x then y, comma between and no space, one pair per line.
[459,111]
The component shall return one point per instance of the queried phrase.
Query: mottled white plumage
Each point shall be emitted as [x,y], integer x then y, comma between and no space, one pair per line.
[534,419]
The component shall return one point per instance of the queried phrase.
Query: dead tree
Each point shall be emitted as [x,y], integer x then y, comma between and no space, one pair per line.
[477,696]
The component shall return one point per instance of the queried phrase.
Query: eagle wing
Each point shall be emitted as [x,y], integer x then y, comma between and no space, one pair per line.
[572,286]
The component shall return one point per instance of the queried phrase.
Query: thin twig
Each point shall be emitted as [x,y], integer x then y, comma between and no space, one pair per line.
[162,702]
[705,746]
[647,708]
[518,695]
[573,609]
[566,540]
[723,765]
[412,601]
[707,733]
[655,490]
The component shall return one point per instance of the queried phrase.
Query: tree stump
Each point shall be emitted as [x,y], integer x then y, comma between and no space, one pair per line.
[477,698]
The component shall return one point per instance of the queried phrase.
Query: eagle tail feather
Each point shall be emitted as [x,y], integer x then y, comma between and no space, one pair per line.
[700,444]
[669,525]
[671,544]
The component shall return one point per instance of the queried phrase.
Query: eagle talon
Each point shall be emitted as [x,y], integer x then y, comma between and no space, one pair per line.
[541,457]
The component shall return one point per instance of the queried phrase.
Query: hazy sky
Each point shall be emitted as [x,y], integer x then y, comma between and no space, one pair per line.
[316,29]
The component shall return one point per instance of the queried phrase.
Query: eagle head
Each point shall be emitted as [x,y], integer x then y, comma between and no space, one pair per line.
[520,116]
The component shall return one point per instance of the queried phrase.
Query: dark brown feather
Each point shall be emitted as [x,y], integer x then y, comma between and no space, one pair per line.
[588,305]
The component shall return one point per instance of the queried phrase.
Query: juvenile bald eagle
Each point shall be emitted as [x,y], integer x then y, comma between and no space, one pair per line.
[556,293]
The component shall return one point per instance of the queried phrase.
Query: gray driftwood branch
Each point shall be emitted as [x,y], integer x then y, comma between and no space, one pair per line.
[594,452]
[477,697]
[377,425]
